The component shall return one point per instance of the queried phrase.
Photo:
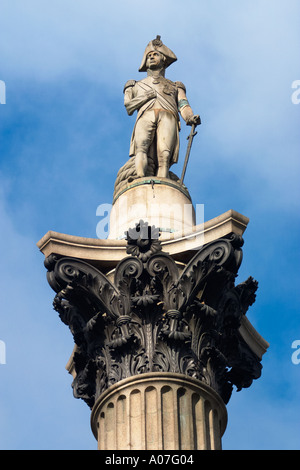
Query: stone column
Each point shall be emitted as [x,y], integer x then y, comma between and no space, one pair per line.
[160,343]
[159,411]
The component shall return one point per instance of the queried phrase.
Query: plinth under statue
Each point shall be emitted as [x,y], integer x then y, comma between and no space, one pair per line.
[159,325]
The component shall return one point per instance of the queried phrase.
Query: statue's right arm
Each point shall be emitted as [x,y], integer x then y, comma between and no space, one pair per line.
[132,101]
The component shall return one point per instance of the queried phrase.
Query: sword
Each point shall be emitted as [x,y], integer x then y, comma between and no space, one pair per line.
[187,155]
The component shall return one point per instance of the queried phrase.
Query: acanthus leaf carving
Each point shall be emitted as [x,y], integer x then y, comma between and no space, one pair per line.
[154,317]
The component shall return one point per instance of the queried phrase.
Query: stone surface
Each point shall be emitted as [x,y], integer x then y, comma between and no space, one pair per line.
[159,411]
[147,311]
[156,315]
[159,202]
[107,253]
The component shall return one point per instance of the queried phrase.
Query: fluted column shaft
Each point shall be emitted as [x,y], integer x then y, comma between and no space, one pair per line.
[159,411]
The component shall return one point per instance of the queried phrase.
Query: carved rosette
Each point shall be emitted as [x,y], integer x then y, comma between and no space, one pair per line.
[156,316]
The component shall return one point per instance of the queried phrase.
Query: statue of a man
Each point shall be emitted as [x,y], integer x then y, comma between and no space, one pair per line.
[157,101]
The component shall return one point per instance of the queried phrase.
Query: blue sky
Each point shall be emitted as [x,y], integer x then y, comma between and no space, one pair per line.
[64,134]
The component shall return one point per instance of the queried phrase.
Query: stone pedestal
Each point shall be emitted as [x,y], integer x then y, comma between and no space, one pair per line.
[159,411]
[158,201]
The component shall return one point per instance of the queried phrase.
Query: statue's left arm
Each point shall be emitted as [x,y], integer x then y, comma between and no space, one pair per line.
[184,107]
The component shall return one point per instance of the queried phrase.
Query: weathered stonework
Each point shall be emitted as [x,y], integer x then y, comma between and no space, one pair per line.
[159,411]
[158,320]
[157,316]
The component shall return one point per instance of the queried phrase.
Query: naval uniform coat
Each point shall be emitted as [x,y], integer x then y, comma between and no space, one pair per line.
[166,99]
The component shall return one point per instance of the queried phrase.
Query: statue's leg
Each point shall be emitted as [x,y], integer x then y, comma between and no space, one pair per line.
[141,164]
[144,134]
[166,139]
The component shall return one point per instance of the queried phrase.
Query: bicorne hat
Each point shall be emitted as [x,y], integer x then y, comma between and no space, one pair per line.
[157,45]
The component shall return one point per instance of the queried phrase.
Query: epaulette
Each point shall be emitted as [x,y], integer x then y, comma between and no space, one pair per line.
[170,81]
[128,84]
[180,85]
